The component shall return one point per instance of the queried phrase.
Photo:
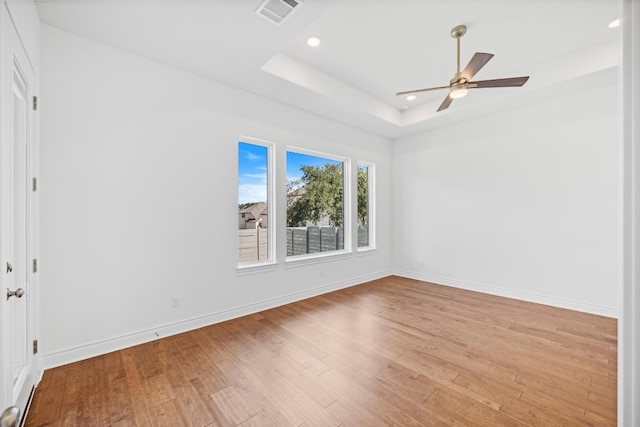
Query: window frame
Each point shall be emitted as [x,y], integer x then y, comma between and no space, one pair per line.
[346,206]
[271,261]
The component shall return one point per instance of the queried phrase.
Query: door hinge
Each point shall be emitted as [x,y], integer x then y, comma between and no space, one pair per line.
[35,346]
[34,184]
[35,103]
[35,265]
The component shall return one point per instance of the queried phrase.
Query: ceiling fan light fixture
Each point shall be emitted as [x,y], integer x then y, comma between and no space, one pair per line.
[458,92]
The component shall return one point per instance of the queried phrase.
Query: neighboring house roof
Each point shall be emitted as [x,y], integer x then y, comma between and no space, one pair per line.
[256,210]
[295,195]
[298,192]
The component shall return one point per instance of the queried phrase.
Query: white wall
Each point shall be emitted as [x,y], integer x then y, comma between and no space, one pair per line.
[139,199]
[523,203]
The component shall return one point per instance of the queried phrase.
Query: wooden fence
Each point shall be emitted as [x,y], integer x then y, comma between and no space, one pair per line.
[253,245]
[300,241]
[363,237]
[309,240]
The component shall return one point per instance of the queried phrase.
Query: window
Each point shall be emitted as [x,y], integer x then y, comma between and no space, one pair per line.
[316,210]
[255,219]
[319,205]
[365,205]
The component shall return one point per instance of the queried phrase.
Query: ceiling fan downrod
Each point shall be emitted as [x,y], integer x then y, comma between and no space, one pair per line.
[457,32]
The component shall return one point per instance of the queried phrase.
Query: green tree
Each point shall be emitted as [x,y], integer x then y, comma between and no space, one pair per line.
[363,197]
[320,195]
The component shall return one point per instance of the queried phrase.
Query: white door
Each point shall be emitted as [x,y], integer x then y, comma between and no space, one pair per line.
[18,296]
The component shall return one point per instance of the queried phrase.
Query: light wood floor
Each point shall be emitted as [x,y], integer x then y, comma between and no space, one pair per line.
[390,352]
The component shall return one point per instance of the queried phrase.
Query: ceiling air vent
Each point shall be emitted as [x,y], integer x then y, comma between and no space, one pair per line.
[277,11]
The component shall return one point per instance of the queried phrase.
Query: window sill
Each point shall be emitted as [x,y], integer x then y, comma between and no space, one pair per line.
[369,250]
[302,260]
[242,270]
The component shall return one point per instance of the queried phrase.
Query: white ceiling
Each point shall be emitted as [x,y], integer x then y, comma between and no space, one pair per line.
[370,50]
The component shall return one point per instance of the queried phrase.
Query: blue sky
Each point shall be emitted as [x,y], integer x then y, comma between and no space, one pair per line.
[252,173]
[296,160]
[252,170]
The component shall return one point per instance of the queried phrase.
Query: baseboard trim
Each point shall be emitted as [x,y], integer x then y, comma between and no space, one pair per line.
[98,348]
[600,310]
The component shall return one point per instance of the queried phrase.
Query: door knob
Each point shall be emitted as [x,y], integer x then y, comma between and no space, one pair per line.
[9,267]
[10,417]
[18,293]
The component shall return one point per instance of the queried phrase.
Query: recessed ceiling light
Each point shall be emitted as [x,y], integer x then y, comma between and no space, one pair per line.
[615,23]
[411,97]
[313,41]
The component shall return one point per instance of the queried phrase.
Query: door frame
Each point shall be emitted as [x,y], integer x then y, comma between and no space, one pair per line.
[629,320]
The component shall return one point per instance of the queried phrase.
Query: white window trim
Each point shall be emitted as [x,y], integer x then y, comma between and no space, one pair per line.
[316,258]
[371,187]
[346,214]
[271,261]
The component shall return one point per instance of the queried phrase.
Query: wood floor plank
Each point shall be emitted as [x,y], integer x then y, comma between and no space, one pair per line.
[234,406]
[95,405]
[189,401]
[49,405]
[139,405]
[300,399]
[119,399]
[158,390]
[260,394]
[356,405]
[168,414]
[393,351]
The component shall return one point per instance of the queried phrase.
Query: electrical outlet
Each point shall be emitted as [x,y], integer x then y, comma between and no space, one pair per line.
[174,302]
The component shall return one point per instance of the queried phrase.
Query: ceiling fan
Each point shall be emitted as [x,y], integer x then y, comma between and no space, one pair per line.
[461,82]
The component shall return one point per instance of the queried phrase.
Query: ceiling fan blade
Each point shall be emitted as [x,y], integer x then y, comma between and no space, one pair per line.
[509,82]
[445,104]
[478,61]
[409,92]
